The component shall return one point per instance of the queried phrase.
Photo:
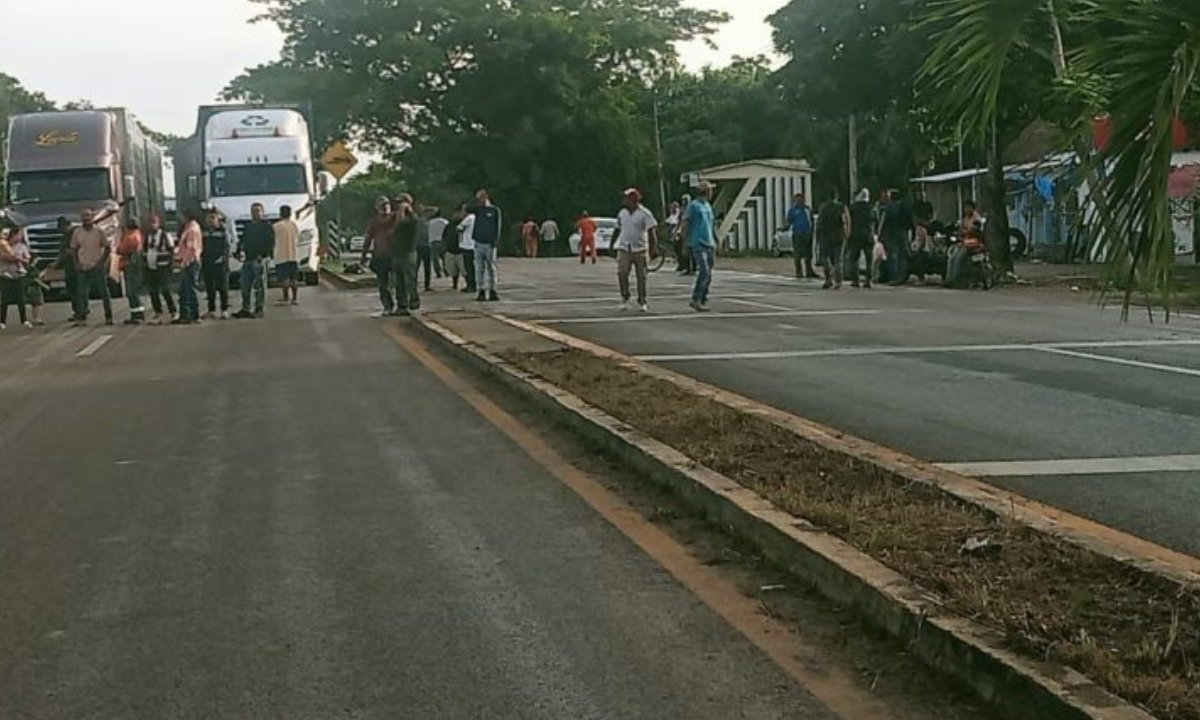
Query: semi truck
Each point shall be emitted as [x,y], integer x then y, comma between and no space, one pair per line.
[241,155]
[59,164]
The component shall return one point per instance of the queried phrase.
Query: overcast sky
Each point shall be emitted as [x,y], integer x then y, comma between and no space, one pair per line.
[179,54]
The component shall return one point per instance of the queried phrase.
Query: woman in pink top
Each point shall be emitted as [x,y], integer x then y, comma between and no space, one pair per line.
[15,260]
[187,256]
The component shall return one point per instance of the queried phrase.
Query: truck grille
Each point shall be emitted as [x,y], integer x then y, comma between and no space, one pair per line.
[44,244]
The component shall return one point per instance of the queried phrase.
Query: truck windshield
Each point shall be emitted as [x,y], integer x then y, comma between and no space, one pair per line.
[246,180]
[58,186]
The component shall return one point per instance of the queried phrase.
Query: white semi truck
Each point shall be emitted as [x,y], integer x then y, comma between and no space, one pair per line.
[243,155]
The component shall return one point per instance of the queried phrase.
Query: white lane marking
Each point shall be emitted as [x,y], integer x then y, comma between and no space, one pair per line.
[94,348]
[718,315]
[759,305]
[1078,466]
[615,297]
[900,350]
[1122,361]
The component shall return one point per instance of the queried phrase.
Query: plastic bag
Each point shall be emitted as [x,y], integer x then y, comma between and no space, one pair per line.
[880,252]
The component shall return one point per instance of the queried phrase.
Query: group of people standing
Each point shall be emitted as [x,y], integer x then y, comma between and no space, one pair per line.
[860,241]
[404,238]
[153,262]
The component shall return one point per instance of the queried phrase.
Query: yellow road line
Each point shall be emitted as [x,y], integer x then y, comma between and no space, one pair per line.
[832,686]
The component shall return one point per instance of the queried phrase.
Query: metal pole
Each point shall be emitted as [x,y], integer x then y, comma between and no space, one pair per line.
[853,156]
[662,178]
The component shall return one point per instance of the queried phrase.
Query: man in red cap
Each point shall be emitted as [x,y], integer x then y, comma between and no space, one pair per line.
[635,228]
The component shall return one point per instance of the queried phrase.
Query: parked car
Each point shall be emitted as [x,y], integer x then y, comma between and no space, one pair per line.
[606,237]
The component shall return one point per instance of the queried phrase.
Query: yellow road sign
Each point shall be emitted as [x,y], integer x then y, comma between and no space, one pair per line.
[338,160]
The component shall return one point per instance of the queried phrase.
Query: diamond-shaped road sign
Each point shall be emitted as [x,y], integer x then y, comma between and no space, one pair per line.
[338,160]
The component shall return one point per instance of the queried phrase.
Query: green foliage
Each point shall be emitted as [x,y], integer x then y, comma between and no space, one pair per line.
[542,101]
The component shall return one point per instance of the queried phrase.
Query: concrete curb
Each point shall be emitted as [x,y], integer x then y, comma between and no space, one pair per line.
[347,282]
[951,645]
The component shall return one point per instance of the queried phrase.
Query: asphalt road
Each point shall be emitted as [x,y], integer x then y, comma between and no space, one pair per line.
[1044,394]
[294,519]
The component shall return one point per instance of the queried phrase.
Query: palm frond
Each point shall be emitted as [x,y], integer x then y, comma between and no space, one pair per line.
[1150,58]
[974,44]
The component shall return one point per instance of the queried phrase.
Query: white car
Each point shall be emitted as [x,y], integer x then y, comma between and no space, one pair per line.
[606,237]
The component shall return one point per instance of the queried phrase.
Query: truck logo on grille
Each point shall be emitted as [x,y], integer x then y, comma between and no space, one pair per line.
[55,138]
[255,121]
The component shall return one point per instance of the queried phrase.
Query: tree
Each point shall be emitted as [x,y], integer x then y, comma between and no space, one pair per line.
[1135,59]
[541,100]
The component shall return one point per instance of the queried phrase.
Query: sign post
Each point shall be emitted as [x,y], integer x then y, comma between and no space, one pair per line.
[339,161]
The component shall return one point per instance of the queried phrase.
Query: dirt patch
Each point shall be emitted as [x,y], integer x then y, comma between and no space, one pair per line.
[1136,634]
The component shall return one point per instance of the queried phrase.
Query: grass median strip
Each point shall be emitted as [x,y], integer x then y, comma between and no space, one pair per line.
[1135,633]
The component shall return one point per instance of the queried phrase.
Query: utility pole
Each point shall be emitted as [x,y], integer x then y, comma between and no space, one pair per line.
[662,178]
[853,156]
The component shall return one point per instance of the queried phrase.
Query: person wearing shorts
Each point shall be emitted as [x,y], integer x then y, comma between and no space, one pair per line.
[287,256]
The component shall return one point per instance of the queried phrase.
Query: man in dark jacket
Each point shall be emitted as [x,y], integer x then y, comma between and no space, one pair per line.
[861,245]
[254,248]
[489,221]
[404,255]
[214,264]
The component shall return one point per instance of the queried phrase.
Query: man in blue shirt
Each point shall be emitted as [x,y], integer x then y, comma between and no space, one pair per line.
[700,234]
[800,222]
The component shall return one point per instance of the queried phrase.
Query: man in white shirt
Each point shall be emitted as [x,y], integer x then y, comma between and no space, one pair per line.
[550,233]
[437,229]
[635,230]
[466,230]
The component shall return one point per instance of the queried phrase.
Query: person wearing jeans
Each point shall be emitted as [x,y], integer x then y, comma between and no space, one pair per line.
[254,247]
[404,255]
[897,229]
[130,250]
[92,254]
[191,242]
[378,248]
[214,265]
[487,228]
[701,236]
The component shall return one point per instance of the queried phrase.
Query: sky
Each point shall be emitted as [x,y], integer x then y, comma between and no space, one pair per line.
[172,67]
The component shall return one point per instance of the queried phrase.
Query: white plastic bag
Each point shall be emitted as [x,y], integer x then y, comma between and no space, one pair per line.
[880,252]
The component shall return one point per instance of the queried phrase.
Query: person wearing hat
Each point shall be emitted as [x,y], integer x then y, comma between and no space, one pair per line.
[860,248]
[378,247]
[699,230]
[635,231]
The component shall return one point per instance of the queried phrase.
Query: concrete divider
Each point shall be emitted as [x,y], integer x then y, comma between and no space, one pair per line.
[950,644]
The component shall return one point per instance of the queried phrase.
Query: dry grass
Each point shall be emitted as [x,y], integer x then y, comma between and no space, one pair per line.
[1136,634]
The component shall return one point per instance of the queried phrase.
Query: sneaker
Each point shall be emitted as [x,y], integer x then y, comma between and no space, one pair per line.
[481,297]
[3,326]
[243,315]
[259,314]
[381,314]
[645,308]
[624,306]
[224,315]
[296,302]
[494,297]
[698,307]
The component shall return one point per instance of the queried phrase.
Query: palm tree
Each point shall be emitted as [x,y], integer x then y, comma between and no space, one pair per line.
[1138,58]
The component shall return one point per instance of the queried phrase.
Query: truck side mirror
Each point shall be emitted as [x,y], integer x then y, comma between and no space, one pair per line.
[130,187]
[193,186]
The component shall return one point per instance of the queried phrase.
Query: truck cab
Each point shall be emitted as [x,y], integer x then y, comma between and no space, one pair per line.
[59,164]
[243,156]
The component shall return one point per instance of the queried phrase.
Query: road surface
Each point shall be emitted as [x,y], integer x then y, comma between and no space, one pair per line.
[293,518]
[1043,394]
